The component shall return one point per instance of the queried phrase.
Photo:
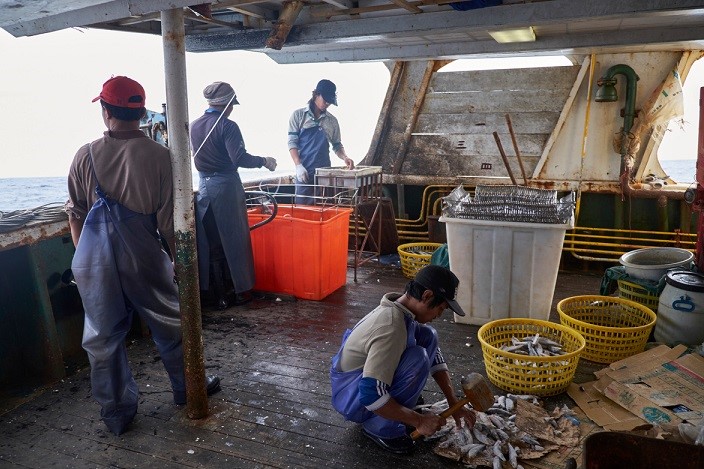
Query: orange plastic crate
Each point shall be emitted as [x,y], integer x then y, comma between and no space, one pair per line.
[302,252]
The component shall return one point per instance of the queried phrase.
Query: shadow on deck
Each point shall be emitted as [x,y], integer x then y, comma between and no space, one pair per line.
[274,408]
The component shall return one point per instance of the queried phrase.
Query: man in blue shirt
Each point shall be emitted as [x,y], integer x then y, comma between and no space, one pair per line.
[221,210]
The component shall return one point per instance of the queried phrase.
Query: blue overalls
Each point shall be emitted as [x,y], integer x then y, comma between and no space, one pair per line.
[120,267]
[408,382]
[314,152]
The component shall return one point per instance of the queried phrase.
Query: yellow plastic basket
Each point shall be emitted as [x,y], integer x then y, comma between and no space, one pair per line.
[614,328]
[415,256]
[522,374]
[634,292]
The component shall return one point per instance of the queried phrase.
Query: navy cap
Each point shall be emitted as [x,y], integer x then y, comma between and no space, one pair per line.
[442,282]
[328,91]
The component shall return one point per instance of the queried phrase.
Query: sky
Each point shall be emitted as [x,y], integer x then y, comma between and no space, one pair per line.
[47,83]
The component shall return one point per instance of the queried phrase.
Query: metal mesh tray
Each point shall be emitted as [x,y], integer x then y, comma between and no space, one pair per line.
[510,203]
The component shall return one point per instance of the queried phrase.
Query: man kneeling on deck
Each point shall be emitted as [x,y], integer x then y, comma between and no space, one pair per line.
[384,363]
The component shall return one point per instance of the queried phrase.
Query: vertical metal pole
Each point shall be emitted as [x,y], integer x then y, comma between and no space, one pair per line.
[173,36]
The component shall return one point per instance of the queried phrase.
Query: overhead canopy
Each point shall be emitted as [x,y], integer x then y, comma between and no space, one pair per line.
[299,31]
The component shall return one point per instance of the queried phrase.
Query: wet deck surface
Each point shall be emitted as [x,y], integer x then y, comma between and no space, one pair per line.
[274,408]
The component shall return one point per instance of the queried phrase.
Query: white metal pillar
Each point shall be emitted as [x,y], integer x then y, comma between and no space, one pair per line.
[173,36]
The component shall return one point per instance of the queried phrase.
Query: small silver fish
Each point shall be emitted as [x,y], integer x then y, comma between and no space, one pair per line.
[544,341]
[498,411]
[529,440]
[496,421]
[496,463]
[479,436]
[503,436]
[483,418]
[472,450]
[497,451]
[512,456]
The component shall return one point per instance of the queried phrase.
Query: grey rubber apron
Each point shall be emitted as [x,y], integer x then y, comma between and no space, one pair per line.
[223,194]
[119,268]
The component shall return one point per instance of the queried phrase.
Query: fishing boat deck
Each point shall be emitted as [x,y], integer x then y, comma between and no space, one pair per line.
[274,407]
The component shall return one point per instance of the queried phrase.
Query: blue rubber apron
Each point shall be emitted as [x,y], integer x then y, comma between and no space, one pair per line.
[408,381]
[314,152]
[120,267]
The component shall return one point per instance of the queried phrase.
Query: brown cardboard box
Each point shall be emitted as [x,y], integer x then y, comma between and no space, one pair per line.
[656,386]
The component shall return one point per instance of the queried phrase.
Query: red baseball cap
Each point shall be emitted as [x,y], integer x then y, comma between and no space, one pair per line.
[122,92]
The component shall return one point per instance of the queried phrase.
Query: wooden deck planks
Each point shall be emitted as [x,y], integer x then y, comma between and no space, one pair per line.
[274,408]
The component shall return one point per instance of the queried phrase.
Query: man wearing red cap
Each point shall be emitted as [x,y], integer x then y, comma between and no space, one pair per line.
[120,211]
[311,132]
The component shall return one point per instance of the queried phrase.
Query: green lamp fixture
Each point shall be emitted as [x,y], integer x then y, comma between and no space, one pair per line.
[607,91]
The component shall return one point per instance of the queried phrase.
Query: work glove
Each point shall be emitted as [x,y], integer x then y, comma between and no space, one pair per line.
[301,173]
[269,163]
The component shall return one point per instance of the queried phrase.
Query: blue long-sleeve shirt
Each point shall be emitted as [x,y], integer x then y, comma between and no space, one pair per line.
[224,150]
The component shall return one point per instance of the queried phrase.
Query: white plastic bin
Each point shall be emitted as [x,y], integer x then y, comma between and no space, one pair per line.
[506,269]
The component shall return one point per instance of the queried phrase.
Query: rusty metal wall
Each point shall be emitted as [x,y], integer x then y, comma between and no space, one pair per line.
[41,315]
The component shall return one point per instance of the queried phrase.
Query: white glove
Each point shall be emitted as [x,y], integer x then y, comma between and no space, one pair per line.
[270,163]
[301,173]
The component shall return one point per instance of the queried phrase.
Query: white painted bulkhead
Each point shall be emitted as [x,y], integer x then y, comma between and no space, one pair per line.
[582,149]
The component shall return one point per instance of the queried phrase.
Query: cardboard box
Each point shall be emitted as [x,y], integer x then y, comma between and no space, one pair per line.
[602,410]
[657,386]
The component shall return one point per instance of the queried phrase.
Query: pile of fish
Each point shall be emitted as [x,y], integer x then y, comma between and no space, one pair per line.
[515,428]
[535,346]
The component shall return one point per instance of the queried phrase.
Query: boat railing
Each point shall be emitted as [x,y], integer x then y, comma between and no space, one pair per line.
[582,242]
[608,245]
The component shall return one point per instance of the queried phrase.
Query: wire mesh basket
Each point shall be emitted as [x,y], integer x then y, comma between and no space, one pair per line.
[524,374]
[415,256]
[614,328]
[510,203]
[634,292]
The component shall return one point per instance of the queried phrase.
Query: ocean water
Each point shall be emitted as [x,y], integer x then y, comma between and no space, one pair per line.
[27,193]
[682,171]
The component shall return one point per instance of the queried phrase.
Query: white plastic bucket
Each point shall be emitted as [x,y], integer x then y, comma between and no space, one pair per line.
[681,310]
[506,269]
[653,263]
